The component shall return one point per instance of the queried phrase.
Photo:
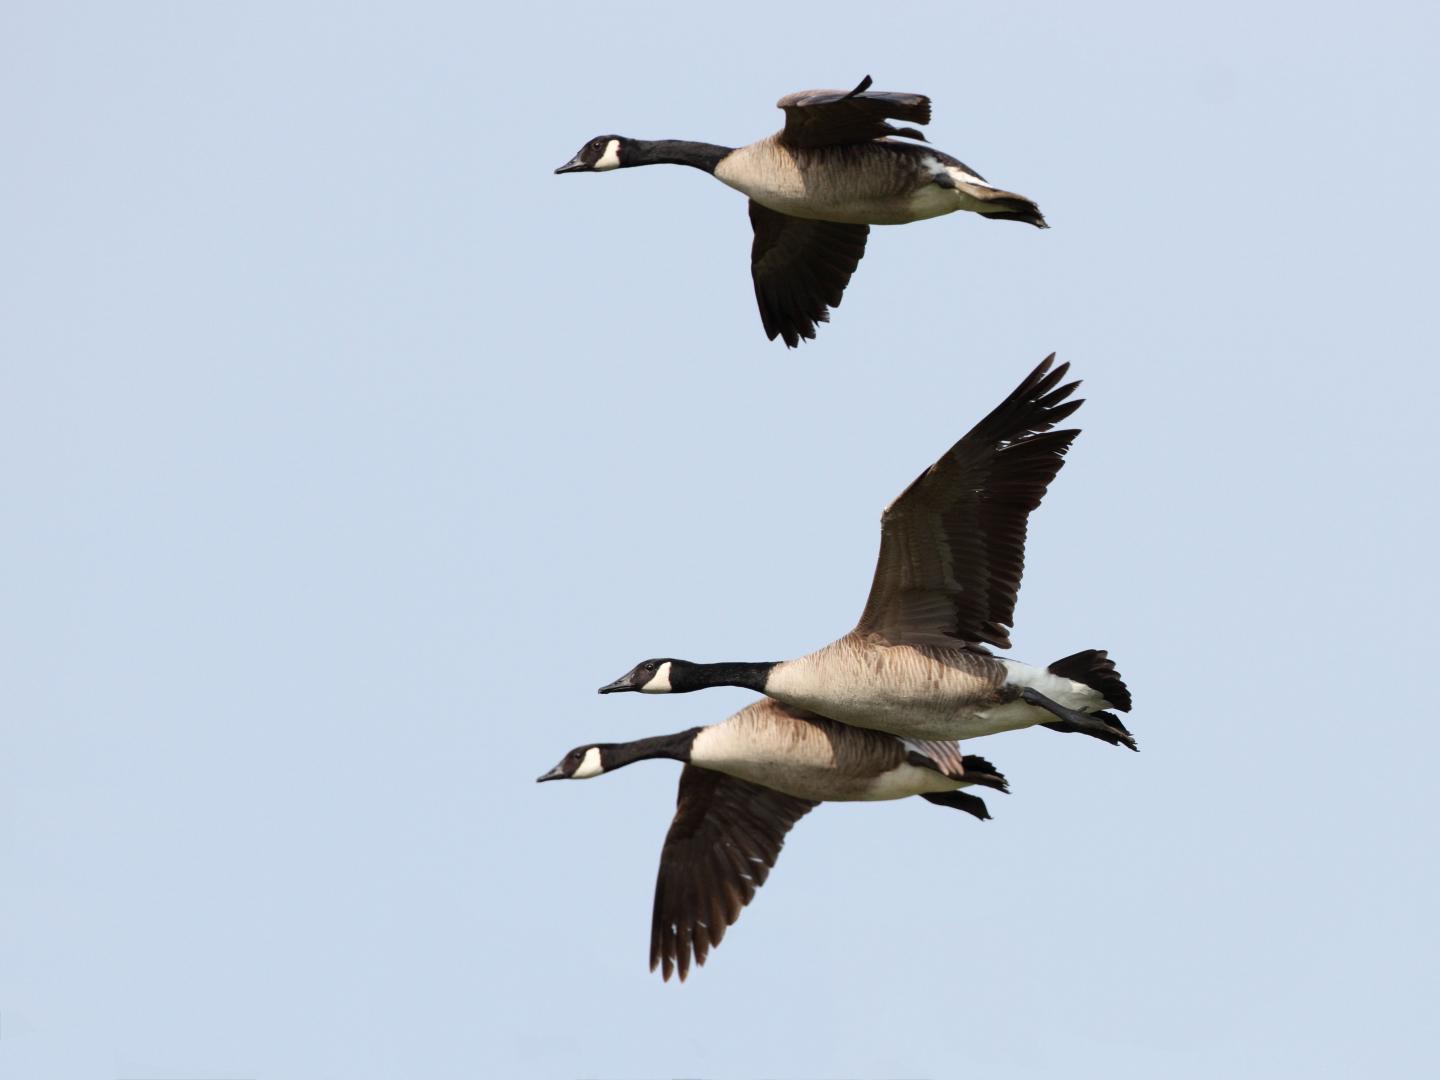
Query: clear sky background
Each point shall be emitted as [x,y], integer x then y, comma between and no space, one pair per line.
[345,450]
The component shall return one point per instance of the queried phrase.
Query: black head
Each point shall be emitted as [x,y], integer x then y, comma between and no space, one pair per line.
[649,677]
[600,154]
[579,764]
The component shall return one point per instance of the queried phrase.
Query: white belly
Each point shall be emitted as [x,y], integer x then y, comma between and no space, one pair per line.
[933,200]
[906,780]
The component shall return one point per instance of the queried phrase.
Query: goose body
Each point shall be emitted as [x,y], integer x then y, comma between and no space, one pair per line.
[881,182]
[951,558]
[924,691]
[745,783]
[816,187]
[808,756]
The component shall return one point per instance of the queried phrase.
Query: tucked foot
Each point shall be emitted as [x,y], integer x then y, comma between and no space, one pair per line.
[1102,725]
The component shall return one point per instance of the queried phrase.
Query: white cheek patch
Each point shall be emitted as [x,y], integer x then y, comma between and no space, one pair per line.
[611,158]
[590,766]
[660,684]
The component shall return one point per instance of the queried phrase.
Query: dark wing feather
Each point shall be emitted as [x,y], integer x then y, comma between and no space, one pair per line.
[801,268]
[725,837]
[952,546]
[835,117]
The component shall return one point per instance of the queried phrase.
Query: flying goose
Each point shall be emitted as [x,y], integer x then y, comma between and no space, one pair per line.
[746,781]
[817,185]
[952,548]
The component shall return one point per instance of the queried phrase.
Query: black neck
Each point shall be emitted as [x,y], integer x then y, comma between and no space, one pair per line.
[698,155]
[700,676]
[676,747]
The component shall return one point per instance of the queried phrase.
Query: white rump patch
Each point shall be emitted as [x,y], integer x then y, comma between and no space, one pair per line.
[1020,714]
[590,766]
[611,158]
[660,683]
[1067,692]
[960,176]
[937,167]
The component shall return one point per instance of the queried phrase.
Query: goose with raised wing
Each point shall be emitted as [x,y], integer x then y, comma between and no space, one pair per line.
[746,781]
[817,185]
[952,550]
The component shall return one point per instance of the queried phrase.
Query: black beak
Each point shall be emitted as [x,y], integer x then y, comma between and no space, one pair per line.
[622,683]
[573,165]
[557,773]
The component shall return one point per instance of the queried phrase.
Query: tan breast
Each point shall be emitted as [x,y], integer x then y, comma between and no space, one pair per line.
[800,754]
[863,185]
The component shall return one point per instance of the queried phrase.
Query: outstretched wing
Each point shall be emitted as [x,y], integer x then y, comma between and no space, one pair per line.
[725,837]
[801,268]
[834,117]
[952,546]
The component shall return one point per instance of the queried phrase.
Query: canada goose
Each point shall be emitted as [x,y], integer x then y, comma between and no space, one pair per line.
[952,548]
[817,185]
[746,781]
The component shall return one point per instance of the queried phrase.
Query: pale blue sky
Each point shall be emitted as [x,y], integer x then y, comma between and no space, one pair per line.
[345,451]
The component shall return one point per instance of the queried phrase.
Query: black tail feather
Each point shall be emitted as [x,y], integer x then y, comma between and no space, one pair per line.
[1017,208]
[971,804]
[1117,735]
[980,771]
[1095,669]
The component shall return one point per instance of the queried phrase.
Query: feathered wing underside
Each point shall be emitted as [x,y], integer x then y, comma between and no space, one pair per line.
[944,757]
[952,546]
[722,843]
[835,117]
[801,268]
